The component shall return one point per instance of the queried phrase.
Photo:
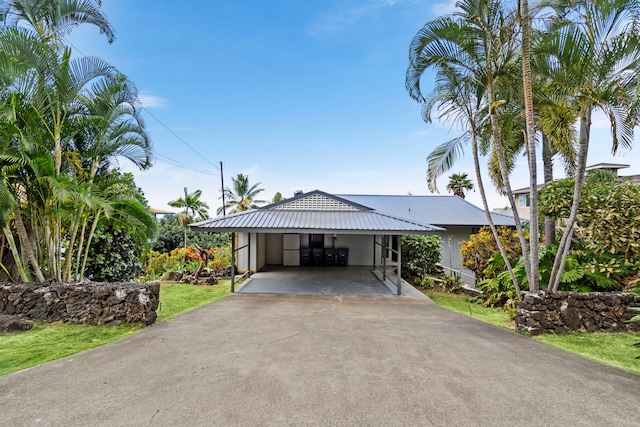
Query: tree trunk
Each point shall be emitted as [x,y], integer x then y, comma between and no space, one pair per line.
[503,252]
[86,250]
[24,273]
[531,147]
[565,242]
[547,160]
[497,144]
[26,245]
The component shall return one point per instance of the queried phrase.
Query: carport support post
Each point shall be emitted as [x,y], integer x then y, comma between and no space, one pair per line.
[233,263]
[399,278]
[384,258]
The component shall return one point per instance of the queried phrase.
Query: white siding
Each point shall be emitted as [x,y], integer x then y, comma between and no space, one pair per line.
[451,240]
[360,248]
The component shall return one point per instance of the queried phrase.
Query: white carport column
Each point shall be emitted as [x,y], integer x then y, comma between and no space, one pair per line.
[399,278]
[233,262]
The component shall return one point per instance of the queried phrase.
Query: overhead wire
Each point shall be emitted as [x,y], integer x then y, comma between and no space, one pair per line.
[168,159]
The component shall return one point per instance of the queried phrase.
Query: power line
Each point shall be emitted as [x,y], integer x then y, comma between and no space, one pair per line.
[173,162]
[162,124]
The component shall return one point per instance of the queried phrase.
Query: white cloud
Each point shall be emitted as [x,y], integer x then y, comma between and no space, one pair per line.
[337,20]
[152,101]
[444,8]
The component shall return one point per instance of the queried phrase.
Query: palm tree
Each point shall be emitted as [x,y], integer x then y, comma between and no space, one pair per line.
[593,56]
[53,20]
[458,183]
[473,51]
[525,24]
[190,202]
[242,197]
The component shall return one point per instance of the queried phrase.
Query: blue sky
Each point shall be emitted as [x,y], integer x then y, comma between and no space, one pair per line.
[298,94]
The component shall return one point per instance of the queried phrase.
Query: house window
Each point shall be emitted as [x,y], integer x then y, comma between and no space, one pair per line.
[524,200]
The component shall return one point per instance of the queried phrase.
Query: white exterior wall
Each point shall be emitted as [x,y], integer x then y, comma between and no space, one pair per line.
[450,250]
[360,247]
[257,248]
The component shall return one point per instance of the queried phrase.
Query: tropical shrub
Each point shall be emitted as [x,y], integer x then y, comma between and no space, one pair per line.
[186,259]
[420,257]
[608,223]
[114,256]
[481,246]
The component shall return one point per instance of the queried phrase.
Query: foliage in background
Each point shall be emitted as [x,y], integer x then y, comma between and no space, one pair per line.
[186,260]
[481,247]
[243,195]
[169,236]
[114,256]
[607,231]
[459,183]
[190,202]
[420,257]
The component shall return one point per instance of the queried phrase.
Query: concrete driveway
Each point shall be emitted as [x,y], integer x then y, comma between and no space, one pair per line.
[317,281]
[301,360]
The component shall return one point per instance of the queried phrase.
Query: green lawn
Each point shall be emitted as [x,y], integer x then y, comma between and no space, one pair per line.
[176,298]
[46,342]
[462,304]
[614,349]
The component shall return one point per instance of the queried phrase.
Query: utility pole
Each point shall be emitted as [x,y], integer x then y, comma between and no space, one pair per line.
[224,209]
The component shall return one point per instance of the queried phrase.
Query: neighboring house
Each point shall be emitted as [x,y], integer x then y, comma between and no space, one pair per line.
[307,228]
[159,213]
[522,194]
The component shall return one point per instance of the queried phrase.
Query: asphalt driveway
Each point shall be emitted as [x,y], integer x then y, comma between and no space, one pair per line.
[278,360]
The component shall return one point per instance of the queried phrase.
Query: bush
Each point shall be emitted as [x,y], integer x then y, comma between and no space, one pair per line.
[420,257]
[180,259]
[114,256]
[477,252]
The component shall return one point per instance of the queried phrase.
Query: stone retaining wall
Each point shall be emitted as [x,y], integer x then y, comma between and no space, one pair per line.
[92,303]
[560,312]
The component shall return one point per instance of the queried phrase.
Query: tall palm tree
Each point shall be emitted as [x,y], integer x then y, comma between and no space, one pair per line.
[525,24]
[593,57]
[473,50]
[459,183]
[190,202]
[242,197]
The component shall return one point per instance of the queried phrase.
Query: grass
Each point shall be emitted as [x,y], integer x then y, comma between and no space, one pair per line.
[463,304]
[47,342]
[613,349]
[177,298]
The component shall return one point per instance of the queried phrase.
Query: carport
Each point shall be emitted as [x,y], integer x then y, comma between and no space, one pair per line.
[319,230]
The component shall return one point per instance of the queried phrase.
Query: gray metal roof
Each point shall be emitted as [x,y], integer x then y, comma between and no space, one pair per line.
[438,210]
[319,212]
[336,222]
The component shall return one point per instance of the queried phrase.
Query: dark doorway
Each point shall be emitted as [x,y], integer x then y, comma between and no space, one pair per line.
[316,241]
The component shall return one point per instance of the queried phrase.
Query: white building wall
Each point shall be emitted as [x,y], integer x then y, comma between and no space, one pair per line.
[360,247]
[450,250]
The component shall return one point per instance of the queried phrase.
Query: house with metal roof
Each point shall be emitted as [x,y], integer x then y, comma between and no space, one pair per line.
[317,228]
